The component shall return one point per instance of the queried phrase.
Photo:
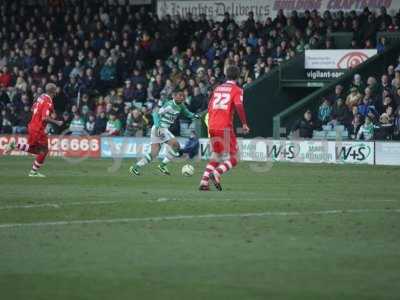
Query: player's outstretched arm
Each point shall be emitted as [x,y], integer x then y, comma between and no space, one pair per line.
[187,113]
[54,121]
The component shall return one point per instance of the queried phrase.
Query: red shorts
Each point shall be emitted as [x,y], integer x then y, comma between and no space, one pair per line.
[223,141]
[37,138]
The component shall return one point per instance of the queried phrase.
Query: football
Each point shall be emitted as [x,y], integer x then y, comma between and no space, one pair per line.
[187,170]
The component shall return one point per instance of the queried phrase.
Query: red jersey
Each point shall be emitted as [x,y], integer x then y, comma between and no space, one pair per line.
[225,99]
[41,110]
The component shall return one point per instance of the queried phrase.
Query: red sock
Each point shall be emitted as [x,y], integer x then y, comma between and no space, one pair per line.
[209,169]
[39,161]
[226,166]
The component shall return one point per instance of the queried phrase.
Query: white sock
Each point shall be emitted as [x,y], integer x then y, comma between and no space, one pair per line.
[166,160]
[144,161]
[170,154]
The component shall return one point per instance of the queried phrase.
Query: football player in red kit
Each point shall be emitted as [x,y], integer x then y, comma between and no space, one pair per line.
[37,138]
[225,99]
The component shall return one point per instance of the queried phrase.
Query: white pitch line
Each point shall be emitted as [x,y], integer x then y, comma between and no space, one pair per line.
[191,217]
[58,205]
[52,205]
[105,202]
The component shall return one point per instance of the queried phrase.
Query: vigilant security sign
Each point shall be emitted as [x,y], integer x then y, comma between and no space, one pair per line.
[336,59]
[331,64]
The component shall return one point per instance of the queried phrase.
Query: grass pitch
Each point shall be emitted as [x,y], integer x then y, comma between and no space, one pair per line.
[294,232]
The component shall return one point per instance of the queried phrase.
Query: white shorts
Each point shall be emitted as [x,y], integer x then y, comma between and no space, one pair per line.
[165,135]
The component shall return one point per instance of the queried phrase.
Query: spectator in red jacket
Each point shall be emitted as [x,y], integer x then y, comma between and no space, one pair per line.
[5,77]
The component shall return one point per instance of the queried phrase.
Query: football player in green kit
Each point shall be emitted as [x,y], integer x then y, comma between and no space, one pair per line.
[160,134]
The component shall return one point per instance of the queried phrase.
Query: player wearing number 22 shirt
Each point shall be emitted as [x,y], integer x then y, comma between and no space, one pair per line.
[37,138]
[225,100]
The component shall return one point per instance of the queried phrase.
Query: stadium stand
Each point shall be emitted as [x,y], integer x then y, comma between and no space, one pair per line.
[113,65]
[367,109]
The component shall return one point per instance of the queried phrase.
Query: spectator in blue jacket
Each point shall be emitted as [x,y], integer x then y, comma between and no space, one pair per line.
[108,73]
[192,145]
[364,107]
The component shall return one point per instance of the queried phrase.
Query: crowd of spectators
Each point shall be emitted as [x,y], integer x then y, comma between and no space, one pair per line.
[114,65]
[368,109]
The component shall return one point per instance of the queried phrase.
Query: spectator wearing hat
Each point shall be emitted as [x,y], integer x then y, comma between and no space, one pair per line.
[305,125]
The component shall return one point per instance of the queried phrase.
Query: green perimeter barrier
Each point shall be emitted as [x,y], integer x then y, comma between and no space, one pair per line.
[258,103]
[266,97]
[341,40]
[375,66]
[294,70]
[392,38]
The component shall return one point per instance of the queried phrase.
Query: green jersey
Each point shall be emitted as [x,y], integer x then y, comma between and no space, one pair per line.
[113,127]
[366,131]
[77,126]
[169,112]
